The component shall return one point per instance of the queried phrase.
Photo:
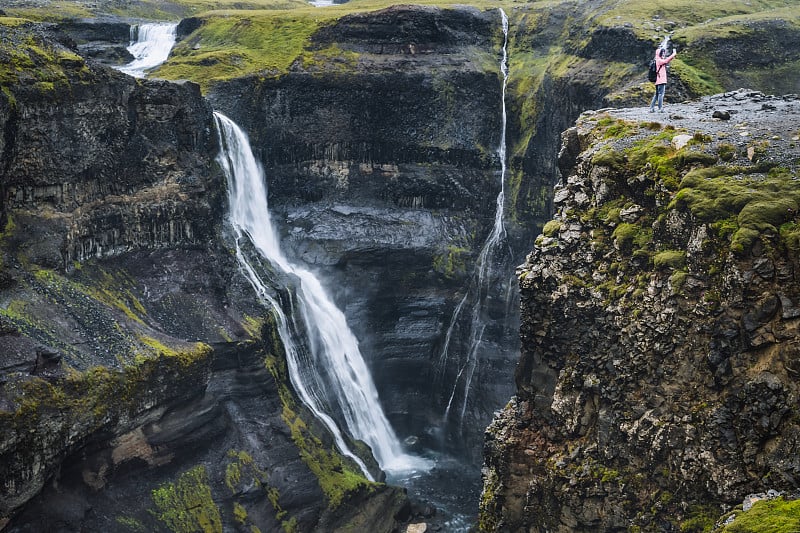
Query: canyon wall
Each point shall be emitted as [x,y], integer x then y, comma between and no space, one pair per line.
[657,385]
[136,359]
[383,179]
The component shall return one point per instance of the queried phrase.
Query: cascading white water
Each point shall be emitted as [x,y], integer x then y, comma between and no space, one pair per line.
[151,48]
[325,365]
[665,43]
[478,291]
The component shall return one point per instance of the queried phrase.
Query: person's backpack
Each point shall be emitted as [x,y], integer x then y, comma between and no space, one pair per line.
[652,71]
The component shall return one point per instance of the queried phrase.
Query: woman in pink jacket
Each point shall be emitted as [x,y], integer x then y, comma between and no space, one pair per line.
[661,80]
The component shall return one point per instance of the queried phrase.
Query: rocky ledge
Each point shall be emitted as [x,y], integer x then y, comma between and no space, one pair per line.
[658,379]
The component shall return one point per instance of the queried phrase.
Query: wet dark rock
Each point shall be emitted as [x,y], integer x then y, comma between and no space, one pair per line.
[389,195]
[47,360]
[131,357]
[104,40]
[187,26]
[410,30]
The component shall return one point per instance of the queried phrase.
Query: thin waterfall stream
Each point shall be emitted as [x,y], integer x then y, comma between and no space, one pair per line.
[477,293]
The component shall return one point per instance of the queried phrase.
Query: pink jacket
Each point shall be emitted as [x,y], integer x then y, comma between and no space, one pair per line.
[661,65]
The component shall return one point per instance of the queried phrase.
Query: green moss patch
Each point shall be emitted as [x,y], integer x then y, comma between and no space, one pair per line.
[672,259]
[771,516]
[104,305]
[241,474]
[452,263]
[610,158]
[232,43]
[29,60]
[551,228]
[701,519]
[758,203]
[91,398]
[652,156]
[337,478]
[616,128]
[633,239]
[700,78]
[186,505]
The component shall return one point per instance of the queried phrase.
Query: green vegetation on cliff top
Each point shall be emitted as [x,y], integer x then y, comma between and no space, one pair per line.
[239,38]
[608,13]
[235,43]
[645,15]
[769,516]
[741,197]
[29,60]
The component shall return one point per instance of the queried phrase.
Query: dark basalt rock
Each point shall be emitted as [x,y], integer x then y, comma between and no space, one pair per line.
[215,429]
[130,167]
[131,357]
[641,402]
[384,181]
[103,40]
[187,26]
[410,30]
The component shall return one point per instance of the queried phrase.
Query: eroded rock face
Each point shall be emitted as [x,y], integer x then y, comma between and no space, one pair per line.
[384,180]
[220,451]
[142,384]
[658,377]
[115,164]
[105,39]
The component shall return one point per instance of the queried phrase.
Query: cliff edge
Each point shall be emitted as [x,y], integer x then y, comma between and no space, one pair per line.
[658,380]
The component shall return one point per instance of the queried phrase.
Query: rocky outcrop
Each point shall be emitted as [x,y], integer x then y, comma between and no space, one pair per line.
[200,460]
[102,39]
[658,379]
[116,164]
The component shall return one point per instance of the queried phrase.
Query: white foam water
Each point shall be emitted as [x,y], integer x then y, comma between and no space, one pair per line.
[325,364]
[151,48]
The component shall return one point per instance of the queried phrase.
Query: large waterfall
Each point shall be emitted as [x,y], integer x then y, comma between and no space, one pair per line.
[482,281]
[325,364]
[150,46]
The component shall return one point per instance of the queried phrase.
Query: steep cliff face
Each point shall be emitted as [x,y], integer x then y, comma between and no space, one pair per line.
[379,135]
[141,382]
[658,379]
[113,163]
[379,132]
[384,176]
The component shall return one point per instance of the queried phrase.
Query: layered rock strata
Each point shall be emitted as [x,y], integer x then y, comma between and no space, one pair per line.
[384,178]
[136,360]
